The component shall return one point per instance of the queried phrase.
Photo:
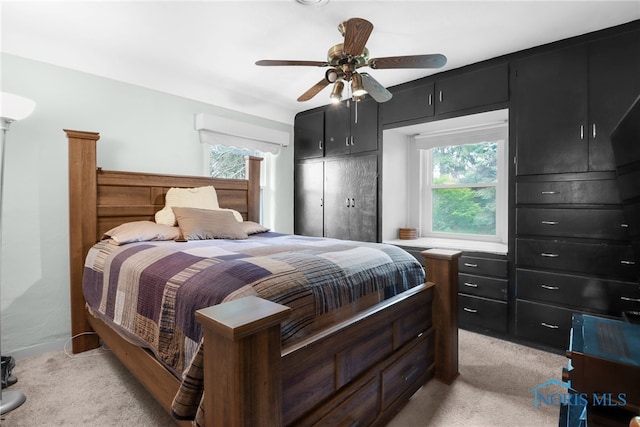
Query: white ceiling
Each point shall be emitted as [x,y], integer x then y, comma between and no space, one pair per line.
[206,50]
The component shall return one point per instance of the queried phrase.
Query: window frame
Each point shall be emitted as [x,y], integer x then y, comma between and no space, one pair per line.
[497,132]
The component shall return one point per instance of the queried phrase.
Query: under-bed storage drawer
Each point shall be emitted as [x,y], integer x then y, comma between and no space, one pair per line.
[482,312]
[545,324]
[406,370]
[354,360]
[358,410]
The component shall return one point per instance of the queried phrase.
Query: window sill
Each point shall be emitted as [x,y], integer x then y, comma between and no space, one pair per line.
[463,245]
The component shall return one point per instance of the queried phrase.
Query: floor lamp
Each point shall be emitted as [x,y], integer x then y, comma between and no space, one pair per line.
[12,108]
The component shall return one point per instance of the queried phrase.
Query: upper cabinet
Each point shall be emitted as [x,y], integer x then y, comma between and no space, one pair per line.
[409,102]
[309,135]
[568,100]
[351,127]
[481,86]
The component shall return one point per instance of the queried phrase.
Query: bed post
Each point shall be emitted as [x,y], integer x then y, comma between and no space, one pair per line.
[82,227]
[442,269]
[242,365]
[253,191]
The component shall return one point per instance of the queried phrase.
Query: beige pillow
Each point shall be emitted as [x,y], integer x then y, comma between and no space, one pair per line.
[251,227]
[199,197]
[201,224]
[141,231]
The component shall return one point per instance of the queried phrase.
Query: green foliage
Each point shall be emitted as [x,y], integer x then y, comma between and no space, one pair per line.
[459,209]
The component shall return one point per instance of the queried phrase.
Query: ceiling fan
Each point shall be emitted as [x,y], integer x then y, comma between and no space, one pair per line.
[347,57]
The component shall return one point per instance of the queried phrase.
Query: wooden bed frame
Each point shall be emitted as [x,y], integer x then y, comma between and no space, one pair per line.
[361,371]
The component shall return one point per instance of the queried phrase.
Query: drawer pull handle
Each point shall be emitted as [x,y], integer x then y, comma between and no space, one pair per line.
[624,225]
[549,255]
[420,334]
[551,288]
[471,285]
[409,375]
[467,264]
[547,193]
[630,299]
[625,262]
[469,310]
[549,325]
[550,222]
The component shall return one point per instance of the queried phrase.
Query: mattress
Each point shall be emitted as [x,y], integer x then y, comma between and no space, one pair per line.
[149,291]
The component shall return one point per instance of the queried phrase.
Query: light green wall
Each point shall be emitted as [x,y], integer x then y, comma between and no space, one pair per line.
[141,130]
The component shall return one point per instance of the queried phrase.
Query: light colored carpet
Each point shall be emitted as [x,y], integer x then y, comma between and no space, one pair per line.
[94,389]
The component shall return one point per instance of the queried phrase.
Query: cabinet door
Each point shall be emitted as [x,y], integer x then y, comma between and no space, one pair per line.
[551,112]
[363,217]
[473,89]
[337,198]
[337,129]
[309,135]
[308,203]
[614,83]
[364,125]
[409,103]
[350,198]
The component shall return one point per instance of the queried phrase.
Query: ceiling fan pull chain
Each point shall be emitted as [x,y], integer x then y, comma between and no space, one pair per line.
[356,112]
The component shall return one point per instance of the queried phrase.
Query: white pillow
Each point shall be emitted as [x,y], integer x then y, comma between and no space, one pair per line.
[200,198]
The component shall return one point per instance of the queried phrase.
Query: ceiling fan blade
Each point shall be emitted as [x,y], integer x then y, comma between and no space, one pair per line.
[278,62]
[356,33]
[412,61]
[375,89]
[313,90]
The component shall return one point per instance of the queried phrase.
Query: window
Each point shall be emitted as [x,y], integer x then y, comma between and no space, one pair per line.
[464,192]
[228,162]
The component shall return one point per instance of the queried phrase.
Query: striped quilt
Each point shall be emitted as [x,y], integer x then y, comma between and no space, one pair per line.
[150,291]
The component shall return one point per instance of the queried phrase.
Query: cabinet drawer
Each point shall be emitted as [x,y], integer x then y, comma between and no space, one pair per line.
[544,324]
[482,313]
[411,325]
[358,410]
[482,266]
[583,223]
[407,370]
[584,293]
[482,286]
[364,354]
[616,261]
[568,192]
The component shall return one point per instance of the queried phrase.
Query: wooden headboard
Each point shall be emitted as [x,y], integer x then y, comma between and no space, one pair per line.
[100,200]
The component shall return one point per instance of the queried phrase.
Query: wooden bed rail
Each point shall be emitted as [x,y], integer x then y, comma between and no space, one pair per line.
[243,380]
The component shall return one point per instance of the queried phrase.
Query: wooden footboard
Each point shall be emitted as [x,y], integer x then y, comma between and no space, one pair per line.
[362,370]
[359,372]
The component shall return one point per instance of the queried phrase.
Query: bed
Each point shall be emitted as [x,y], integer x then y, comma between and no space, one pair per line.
[358,369]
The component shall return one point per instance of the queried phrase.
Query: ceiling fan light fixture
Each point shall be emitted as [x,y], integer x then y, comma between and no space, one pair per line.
[357,89]
[336,92]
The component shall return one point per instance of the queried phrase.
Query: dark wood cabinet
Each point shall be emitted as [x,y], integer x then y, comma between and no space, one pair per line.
[309,199]
[614,83]
[483,291]
[568,100]
[350,198]
[309,135]
[551,109]
[409,102]
[351,127]
[484,86]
